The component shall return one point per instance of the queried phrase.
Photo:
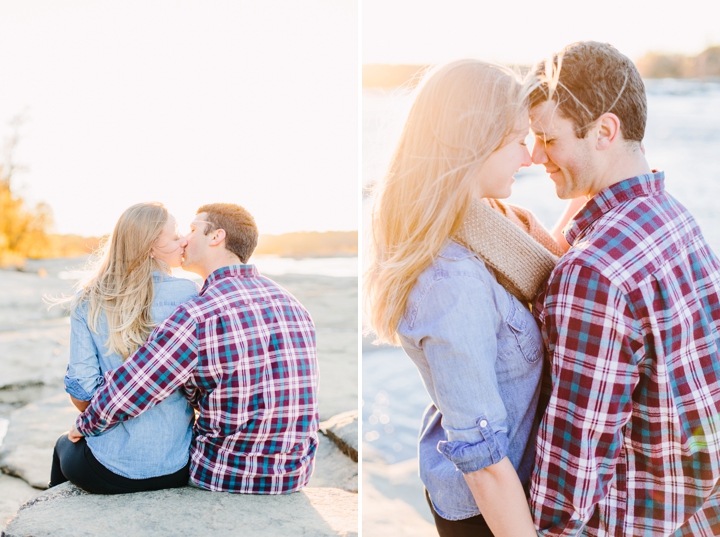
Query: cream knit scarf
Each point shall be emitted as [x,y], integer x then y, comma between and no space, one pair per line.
[512,243]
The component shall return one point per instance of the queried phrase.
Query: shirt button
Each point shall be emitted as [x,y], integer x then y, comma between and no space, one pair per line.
[483,423]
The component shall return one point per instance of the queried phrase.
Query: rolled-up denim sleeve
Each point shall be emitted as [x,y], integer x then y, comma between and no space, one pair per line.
[459,323]
[83,374]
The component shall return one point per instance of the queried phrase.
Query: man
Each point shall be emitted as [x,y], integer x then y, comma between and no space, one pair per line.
[244,355]
[630,441]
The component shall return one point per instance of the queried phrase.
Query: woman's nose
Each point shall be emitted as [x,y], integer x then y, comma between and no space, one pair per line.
[527,159]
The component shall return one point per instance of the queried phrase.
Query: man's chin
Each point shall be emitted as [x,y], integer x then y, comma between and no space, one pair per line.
[562,191]
[561,194]
[568,193]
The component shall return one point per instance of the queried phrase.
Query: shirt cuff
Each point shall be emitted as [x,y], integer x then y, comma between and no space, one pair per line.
[74,388]
[472,457]
[80,424]
[84,425]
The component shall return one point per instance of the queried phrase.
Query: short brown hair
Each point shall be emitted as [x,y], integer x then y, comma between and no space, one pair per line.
[241,233]
[591,79]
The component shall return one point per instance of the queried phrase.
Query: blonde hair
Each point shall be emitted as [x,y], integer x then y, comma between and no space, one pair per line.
[121,285]
[462,112]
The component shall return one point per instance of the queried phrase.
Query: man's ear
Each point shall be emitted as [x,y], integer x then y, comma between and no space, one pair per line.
[217,238]
[608,130]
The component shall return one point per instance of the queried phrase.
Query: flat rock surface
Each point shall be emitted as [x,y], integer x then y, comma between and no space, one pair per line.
[48,343]
[21,296]
[343,430]
[337,356]
[333,468]
[331,301]
[26,451]
[34,339]
[13,493]
[66,511]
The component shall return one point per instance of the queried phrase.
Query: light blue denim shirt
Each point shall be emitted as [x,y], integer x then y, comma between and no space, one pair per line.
[479,353]
[157,442]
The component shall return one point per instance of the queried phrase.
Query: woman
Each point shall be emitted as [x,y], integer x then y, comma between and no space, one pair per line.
[130,291]
[450,278]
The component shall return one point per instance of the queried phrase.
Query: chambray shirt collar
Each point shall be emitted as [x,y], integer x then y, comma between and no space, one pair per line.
[230,271]
[609,198]
[454,251]
[158,276]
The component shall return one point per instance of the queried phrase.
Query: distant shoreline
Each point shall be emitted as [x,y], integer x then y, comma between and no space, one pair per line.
[297,245]
[310,244]
[272,265]
[703,66]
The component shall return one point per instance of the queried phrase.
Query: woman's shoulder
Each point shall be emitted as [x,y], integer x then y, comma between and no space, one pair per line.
[456,273]
[78,306]
[172,287]
[170,293]
[454,262]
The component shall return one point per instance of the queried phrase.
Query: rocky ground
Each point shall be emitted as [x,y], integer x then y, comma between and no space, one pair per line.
[67,511]
[34,411]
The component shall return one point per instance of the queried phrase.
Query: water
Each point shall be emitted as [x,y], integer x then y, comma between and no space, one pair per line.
[271,265]
[340,267]
[682,138]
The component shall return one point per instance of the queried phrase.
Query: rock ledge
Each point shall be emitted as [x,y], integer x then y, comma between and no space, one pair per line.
[66,511]
[343,430]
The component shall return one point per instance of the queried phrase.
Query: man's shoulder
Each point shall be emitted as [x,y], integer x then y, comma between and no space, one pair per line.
[240,293]
[269,290]
[246,289]
[632,240]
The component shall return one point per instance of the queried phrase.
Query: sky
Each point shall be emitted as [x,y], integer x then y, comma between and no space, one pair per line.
[523,31]
[184,102]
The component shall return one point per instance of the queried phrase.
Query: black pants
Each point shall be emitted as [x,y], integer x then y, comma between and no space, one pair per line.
[75,462]
[469,527]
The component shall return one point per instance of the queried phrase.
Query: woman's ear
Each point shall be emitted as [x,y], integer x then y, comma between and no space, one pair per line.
[608,130]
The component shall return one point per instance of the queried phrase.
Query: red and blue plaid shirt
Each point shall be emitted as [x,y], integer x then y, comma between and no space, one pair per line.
[244,354]
[630,441]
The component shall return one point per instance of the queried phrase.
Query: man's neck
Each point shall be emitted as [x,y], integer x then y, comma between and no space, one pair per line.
[623,166]
[216,264]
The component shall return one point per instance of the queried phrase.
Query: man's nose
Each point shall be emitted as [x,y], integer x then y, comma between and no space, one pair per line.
[184,242]
[538,153]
